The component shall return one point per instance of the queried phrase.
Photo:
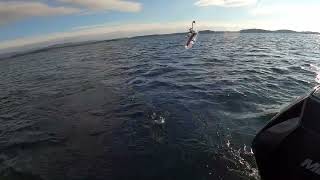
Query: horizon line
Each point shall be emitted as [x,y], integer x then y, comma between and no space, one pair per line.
[16,53]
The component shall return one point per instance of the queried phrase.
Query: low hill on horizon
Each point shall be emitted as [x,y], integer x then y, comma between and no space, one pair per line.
[261,31]
[276,31]
[20,53]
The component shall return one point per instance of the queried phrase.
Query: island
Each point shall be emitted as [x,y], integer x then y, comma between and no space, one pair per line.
[276,31]
[38,48]
[283,31]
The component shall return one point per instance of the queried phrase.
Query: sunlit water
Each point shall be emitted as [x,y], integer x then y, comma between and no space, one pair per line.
[146,108]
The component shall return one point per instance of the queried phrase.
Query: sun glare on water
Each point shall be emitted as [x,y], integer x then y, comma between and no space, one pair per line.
[316,69]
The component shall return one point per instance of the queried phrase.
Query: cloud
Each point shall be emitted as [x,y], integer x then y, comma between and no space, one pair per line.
[225,3]
[286,9]
[16,10]
[98,5]
[294,16]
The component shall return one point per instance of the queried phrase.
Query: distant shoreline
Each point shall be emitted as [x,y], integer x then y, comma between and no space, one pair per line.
[286,31]
[21,53]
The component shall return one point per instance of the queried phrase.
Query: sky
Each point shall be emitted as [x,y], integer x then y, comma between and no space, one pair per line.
[28,24]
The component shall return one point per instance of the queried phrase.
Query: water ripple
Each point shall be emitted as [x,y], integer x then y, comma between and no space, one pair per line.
[145,108]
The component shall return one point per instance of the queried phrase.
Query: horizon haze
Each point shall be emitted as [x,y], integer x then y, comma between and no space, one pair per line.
[30,24]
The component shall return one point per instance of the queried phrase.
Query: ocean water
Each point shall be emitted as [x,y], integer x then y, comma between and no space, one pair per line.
[146,108]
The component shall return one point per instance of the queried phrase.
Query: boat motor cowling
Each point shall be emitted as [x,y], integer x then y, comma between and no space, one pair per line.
[288,147]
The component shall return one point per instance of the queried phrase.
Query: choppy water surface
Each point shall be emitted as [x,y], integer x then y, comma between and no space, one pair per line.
[146,108]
